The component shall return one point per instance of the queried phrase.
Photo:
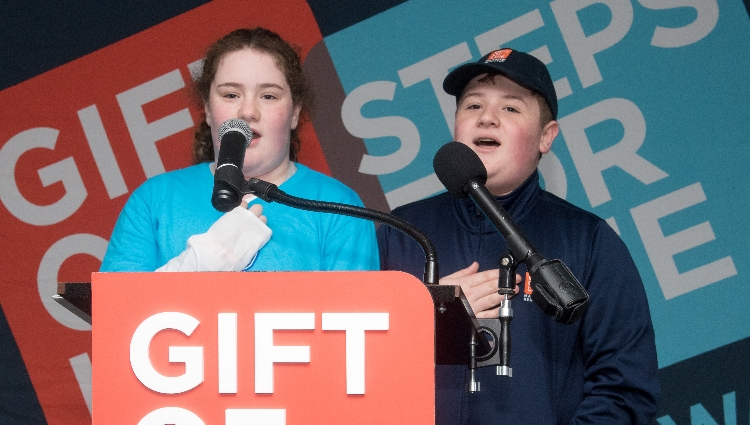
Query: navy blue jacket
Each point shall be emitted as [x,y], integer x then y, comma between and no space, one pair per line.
[600,370]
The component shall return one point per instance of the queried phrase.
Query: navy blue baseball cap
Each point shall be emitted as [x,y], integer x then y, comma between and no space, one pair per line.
[520,67]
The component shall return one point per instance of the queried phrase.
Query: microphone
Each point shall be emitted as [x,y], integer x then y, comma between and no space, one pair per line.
[234,136]
[555,290]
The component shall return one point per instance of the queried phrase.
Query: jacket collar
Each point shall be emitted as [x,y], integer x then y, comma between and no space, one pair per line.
[517,203]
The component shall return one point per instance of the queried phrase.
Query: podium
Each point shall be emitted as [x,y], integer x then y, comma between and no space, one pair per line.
[268,348]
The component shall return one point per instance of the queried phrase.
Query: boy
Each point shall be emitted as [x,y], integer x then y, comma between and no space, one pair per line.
[600,369]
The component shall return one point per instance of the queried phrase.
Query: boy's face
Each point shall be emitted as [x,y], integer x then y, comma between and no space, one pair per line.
[500,121]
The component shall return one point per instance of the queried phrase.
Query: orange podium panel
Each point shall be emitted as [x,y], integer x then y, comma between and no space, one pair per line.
[267,348]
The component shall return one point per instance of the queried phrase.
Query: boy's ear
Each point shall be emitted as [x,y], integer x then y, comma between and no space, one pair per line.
[549,132]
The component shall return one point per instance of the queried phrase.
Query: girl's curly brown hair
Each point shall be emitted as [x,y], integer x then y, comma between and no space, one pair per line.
[287,59]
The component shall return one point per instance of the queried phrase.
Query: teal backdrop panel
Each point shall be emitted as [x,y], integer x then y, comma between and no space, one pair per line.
[653,109]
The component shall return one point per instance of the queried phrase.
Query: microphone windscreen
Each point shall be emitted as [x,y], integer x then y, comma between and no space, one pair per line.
[455,165]
[235,124]
[234,136]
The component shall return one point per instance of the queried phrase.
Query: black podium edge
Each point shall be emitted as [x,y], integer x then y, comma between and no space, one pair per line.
[76,298]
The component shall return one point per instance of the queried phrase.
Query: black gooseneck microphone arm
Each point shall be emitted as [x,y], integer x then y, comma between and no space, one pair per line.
[269,192]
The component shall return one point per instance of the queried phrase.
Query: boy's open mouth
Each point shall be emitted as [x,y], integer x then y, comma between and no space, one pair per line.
[486,142]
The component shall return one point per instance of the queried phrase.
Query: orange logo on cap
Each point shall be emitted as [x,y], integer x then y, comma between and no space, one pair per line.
[499,55]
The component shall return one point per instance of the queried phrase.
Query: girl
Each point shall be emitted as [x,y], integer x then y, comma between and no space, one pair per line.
[169,224]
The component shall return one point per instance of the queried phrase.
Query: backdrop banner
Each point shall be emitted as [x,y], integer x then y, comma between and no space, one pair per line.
[652,108]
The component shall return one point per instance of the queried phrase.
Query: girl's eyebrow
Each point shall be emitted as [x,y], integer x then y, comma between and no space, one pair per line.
[229,84]
[270,85]
[261,86]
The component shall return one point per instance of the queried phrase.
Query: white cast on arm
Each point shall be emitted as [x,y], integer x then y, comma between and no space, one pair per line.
[228,245]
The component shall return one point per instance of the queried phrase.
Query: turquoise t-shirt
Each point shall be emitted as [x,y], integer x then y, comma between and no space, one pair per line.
[167,209]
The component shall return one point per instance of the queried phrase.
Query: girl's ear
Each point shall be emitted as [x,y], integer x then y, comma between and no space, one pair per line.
[207,111]
[295,116]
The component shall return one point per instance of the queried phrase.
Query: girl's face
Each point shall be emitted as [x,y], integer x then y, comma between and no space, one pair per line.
[248,85]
